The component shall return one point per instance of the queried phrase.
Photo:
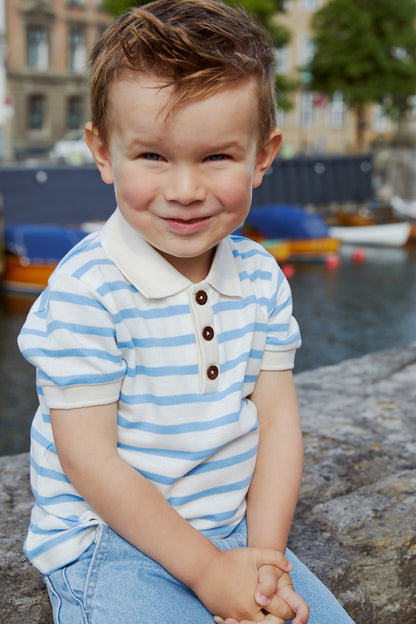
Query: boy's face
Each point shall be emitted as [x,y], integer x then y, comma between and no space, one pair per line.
[184,181]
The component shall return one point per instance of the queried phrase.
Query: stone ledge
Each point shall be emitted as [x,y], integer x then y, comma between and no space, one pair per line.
[354,524]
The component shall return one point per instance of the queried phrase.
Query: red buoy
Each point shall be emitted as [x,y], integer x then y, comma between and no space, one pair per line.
[358,255]
[288,270]
[332,261]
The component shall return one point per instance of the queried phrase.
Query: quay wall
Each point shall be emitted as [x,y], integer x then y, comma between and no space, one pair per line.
[354,524]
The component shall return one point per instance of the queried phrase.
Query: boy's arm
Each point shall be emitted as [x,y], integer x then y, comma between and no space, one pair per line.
[86,442]
[274,489]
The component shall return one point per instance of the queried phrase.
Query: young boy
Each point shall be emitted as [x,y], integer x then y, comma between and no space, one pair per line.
[166,453]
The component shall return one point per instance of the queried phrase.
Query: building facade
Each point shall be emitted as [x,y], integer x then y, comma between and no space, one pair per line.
[47,86]
[46,92]
[316,123]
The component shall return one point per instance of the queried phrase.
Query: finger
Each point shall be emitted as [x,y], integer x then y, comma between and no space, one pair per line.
[272,619]
[268,578]
[296,602]
[267,556]
[300,608]
[280,608]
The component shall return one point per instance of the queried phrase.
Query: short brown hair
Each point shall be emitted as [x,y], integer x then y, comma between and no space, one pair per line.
[201,46]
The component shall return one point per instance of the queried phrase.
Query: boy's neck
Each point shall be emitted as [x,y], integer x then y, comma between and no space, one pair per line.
[195,269]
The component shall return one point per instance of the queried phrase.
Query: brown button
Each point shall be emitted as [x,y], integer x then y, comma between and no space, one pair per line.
[212,372]
[201,297]
[208,333]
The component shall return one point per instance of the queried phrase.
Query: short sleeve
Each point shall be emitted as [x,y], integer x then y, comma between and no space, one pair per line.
[283,337]
[70,337]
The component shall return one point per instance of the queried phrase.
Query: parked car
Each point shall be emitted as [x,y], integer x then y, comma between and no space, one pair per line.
[71,150]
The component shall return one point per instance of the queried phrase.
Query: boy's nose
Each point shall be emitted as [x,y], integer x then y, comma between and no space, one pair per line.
[184,186]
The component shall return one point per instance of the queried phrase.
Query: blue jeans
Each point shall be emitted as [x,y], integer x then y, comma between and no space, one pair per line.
[114,583]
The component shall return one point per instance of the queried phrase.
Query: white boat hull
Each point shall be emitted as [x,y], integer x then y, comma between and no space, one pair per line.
[386,234]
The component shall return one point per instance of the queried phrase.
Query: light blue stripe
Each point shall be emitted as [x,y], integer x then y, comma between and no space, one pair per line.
[272,340]
[81,300]
[42,471]
[219,517]
[153,313]
[219,464]
[177,501]
[157,478]
[234,334]
[190,427]
[77,328]
[192,457]
[150,343]
[239,304]
[109,287]
[58,499]
[231,364]
[162,371]
[90,265]
[279,327]
[83,379]
[85,245]
[221,531]
[258,274]
[45,547]
[108,332]
[178,399]
[281,307]
[66,353]
[189,456]
[40,439]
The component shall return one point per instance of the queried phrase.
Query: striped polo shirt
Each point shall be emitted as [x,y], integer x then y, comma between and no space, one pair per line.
[119,323]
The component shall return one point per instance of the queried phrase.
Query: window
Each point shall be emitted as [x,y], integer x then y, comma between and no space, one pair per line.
[381,121]
[37,48]
[36,112]
[282,60]
[310,5]
[76,49]
[337,111]
[307,50]
[306,109]
[74,113]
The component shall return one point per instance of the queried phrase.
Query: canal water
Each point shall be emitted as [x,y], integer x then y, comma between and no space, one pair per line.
[355,309]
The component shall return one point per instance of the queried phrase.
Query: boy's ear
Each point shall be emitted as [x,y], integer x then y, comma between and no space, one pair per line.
[266,155]
[100,153]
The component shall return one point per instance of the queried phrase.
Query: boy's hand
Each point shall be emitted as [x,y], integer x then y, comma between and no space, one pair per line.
[277,597]
[228,583]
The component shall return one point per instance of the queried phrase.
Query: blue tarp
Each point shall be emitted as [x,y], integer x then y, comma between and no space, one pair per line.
[286,222]
[42,243]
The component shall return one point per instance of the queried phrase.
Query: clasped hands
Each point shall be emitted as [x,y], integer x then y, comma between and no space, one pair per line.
[250,585]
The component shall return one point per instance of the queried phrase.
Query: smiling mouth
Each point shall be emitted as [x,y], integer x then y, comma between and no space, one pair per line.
[187,225]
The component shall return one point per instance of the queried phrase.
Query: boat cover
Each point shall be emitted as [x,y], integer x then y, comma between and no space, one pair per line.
[286,222]
[41,243]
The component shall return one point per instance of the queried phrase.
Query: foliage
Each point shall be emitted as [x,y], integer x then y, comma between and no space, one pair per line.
[366,50]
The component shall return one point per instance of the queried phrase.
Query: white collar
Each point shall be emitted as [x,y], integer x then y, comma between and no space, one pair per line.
[154,276]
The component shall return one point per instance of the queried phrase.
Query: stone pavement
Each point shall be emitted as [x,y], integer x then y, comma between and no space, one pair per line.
[355,521]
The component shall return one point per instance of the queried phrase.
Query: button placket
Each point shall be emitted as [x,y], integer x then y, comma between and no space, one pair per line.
[208,350]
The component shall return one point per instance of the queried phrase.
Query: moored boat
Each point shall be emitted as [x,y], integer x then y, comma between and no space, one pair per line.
[383,234]
[305,234]
[32,252]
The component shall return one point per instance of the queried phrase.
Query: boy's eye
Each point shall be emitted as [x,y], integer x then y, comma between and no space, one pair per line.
[216,157]
[151,156]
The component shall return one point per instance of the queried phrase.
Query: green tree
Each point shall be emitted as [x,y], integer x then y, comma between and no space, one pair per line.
[263,11]
[366,50]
